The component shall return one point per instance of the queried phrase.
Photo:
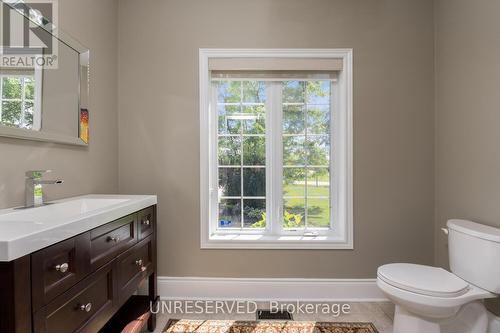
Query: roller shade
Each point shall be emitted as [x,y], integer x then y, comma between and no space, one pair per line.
[270,69]
[16,71]
[273,75]
[275,64]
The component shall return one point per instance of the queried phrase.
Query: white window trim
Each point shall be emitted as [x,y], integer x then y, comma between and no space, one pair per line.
[343,141]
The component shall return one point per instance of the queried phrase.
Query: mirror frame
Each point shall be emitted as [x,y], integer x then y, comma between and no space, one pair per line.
[84,53]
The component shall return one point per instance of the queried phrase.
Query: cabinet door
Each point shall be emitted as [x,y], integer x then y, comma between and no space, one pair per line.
[57,268]
[133,266]
[84,308]
[109,240]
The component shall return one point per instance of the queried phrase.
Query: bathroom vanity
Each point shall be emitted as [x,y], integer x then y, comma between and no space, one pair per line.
[71,266]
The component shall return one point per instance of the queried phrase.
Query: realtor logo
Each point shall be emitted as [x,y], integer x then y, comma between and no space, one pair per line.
[28,37]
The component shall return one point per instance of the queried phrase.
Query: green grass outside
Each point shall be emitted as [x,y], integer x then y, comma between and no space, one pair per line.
[318,208]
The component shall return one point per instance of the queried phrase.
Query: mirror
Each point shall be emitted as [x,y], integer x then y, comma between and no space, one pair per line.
[44,79]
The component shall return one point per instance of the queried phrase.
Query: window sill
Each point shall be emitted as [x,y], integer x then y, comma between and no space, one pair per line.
[290,242]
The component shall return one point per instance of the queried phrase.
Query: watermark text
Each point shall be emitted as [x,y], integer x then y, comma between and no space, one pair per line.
[248,307]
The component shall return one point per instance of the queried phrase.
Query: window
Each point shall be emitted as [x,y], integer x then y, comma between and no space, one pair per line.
[275,149]
[20,99]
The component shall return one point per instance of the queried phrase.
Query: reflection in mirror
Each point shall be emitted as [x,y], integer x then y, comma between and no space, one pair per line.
[60,94]
[43,101]
[20,95]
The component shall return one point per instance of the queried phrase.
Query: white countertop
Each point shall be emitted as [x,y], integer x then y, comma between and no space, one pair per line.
[23,231]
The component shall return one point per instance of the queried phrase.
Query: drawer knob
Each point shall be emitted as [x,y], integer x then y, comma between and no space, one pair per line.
[146,222]
[115,239]
[86,307]
[63,268]
[138,262]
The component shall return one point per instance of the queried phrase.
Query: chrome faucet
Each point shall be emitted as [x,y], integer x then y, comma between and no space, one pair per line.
[34,188]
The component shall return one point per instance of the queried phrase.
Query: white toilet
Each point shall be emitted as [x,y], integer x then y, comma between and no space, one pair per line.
[433,300]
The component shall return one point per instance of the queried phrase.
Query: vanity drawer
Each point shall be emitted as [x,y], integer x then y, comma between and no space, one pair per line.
[84,308]
[109,240]
[133,266]
[57,268]
[146,223]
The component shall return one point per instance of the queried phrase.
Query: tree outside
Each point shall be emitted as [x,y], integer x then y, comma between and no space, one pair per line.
[17,101]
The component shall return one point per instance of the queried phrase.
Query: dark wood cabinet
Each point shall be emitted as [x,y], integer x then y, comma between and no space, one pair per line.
[78,284]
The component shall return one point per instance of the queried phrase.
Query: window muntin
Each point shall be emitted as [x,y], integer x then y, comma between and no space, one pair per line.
[17,101]
[304,133]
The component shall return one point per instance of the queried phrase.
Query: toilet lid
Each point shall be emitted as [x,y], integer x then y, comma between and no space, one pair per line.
[424,280]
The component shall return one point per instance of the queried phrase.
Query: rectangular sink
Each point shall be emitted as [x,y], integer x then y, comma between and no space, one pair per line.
[23,231]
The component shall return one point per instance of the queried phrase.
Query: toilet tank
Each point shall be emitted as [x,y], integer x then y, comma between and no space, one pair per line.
[474,251]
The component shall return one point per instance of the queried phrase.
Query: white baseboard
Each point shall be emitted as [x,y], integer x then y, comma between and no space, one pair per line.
[269,289]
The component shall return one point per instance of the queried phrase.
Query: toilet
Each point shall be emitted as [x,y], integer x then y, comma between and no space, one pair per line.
[433,300]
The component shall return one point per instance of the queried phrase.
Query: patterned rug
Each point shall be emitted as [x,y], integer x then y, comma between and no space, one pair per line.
[231,326]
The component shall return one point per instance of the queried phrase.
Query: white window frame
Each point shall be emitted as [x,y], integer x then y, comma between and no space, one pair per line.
[341,184]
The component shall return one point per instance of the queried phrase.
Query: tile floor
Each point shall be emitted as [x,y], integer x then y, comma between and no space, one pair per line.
[380,314]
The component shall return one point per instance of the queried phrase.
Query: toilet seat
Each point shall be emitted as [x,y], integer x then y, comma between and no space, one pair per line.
[423,280]
[430,306]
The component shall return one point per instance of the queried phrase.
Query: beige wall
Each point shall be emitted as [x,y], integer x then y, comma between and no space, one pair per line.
[467,114]
[85,170]
[393,123]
